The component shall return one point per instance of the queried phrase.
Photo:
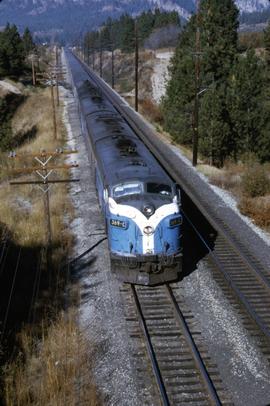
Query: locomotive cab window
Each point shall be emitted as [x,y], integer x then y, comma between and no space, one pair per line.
[158,188]
[126,189]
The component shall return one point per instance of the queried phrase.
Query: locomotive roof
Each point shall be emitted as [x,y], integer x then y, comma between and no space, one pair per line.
[121,155]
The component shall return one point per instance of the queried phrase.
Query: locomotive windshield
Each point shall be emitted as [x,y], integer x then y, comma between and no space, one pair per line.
[158,188]
[127,189]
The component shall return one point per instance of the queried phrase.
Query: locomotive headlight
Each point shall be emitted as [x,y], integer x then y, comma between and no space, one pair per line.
[148,230]
[148,210]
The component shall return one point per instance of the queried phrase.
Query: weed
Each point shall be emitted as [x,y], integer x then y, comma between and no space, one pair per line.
[53,371]
[255,181]
[152,111]
[258,209]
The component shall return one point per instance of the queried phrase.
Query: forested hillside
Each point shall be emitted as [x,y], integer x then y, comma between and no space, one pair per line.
[232,88]
[119,34]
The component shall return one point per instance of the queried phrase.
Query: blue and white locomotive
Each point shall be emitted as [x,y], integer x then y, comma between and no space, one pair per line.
[140,202]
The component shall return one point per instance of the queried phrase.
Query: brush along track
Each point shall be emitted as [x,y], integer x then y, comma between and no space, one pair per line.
[181,367]
[247,278]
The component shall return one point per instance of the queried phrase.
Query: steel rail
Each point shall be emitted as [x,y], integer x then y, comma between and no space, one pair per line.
[214,398]
[136,123]
[237,291]
[150,350]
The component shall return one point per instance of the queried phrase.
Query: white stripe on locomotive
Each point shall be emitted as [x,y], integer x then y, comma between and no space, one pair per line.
[141,221]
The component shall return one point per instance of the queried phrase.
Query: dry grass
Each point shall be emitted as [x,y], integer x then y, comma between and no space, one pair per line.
[53,368]
[228,178]
[258,209]
[54,371]
[22,210]
[22,207]
[36,112]
[151,111]
[247,183]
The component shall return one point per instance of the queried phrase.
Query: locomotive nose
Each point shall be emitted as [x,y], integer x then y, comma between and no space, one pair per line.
[148,210]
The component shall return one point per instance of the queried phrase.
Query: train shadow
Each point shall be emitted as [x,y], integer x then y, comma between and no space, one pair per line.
[195,224]
[30,292]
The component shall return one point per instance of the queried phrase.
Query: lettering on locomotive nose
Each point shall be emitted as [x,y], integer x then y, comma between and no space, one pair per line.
[175,222]
[118,223]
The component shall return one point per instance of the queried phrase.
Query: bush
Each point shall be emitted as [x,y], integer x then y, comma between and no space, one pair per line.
[258,209]
[152,111]
[256,182]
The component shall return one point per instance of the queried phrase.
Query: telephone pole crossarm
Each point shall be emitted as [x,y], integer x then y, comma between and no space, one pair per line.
[43,170]
[40,168]
[39,182]
[43,154]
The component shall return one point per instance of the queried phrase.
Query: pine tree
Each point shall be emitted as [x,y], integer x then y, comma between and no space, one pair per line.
[126,33]
[12,54]
[246,102]
[218,23]
[28,43]
[266,38]
[178,103]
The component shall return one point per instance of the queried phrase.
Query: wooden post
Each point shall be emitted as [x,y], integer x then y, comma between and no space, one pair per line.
[136,65]
[46,200]
[88,53]
[53,112]
[57,89]
[196,99]
[33,71]
[100,61]
[112,67]
[44,170]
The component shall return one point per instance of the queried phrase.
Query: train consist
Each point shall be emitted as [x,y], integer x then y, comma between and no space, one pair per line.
[140,202]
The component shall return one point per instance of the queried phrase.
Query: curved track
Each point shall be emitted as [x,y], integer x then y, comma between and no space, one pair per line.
[245,275]
[250,286]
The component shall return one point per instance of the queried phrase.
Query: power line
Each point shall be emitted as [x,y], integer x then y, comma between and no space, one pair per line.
[197,87]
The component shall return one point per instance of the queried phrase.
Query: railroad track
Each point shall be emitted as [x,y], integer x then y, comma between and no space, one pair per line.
[181,367]
[241,273]
[243,283]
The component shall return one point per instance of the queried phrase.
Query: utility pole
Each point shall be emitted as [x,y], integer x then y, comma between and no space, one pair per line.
[88,52]
[136,65]
[197,80]
[112,66]
[56,76]
[43,169]
[33,70]
[53,112]
[93,59]
[51,78]
[100,59]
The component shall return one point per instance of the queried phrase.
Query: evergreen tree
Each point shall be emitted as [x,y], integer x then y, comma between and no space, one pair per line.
[12,54]
[215,126]
[121,33]
[246,103]
[127,33]
[267,42]
[218,23]
[28,43]
[177,106]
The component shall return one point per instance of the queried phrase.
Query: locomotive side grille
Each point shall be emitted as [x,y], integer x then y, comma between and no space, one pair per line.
[136,163]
